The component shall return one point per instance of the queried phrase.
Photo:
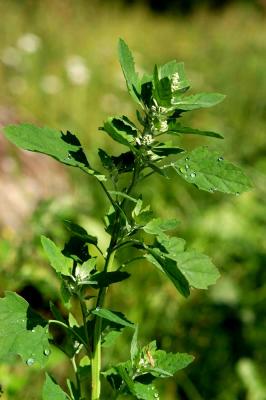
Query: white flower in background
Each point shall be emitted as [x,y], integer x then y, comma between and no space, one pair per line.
[77,70]
[11,57]
[51,84]
[29,42]
[17,85]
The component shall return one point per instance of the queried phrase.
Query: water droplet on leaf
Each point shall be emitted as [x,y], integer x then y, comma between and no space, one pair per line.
[46,352]
[186,166]
[33,330]
[97,308]
[237,193]
[187,158]
[30,362]
[192,174]
[220,158]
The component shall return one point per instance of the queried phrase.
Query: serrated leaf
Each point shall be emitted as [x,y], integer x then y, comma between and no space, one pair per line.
[113,316]
[158,225]
[169,267]
[167,364]
[119,131]
[175,128]
[174,68]
[52,391]
[200,100]
[80,232]
[171,245]
[197,268]
[58,261]
[209,171]
[65,148]
[22,331]
[128,67]
[145,392]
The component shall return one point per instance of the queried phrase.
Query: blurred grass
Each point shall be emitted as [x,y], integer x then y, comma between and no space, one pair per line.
[222,52]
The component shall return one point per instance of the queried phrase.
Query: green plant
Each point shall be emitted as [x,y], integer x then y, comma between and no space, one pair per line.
[86,271]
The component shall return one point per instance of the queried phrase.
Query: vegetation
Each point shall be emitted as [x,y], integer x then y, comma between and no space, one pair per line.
[230,326]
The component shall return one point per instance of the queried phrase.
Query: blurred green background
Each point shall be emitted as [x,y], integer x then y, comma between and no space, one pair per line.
[58,67]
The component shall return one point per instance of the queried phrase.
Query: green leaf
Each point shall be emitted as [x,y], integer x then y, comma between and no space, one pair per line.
[162,89]
[128,67]
[169,267]
[113,316]
[22,331]
[105,279]
[197,268]
[119,131]
[175,128]
[158,225]
[208,171]
[171,245]
[166,149]
[106,160]
[145,392]
[77,249]
[176,69]
[52,391]
[200,100]
[65,148]
[58,261]
[80,232]
[167,364]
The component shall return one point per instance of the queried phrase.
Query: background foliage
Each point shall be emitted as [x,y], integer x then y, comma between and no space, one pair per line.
[65,75]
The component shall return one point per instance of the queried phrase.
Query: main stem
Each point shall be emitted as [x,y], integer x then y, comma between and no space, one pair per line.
[96,355]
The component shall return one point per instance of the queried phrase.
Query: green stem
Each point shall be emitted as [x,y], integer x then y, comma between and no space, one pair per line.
[96,356]
[74,333]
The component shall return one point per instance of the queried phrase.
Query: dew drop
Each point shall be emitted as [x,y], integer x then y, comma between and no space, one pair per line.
[187,158]
[192,174]
[76,344]
[186,166]
[30,362]
[97,308]
[69,156]
[46,352]
[33,330]
[237,193]
[182,170]
[220,158]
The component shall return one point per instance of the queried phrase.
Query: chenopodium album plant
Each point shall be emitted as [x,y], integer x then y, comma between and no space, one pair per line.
[84,277]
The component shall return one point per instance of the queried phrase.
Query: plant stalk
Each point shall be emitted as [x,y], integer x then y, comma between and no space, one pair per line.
[96,355]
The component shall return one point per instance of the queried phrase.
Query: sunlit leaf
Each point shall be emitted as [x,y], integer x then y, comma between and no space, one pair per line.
[60,263]
[209,171]
[22,331]
[52,391]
